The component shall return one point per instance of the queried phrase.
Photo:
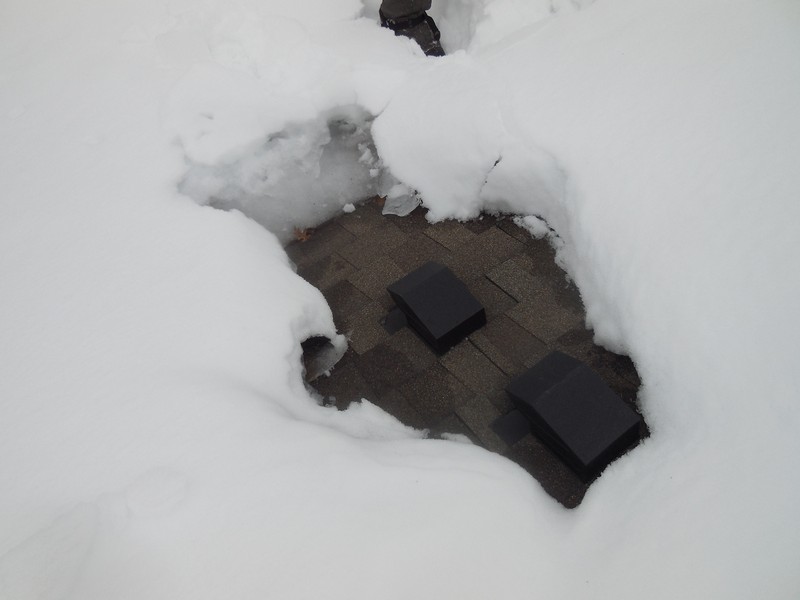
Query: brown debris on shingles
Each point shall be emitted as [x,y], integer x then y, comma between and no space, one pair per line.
[302,235]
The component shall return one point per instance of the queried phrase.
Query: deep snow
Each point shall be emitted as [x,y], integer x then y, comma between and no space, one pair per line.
[156,439]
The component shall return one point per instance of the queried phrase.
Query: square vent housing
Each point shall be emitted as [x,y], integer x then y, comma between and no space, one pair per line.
[438,306]
[573,411]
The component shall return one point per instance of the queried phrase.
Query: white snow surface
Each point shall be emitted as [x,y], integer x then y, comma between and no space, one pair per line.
[156,439]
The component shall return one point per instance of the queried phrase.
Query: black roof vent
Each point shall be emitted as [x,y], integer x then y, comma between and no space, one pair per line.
[574,412]
[438,306]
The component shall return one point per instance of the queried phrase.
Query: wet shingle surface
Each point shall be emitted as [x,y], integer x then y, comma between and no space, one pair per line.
[531,307]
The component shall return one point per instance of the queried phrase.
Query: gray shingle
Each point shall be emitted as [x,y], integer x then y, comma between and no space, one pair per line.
[435,393]
[474,369]
[450,234]
[478,414]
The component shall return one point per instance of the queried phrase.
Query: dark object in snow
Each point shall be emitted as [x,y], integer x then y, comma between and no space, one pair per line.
[409,19]
[575,413]
[511,427]
[319,355]
[438,306]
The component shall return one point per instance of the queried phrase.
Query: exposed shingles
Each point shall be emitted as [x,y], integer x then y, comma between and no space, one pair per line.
[494,300]
[493,353]
[502,401]
[516,281]
[344,300]
[435,393]
[497,245]
[345,383]
[464,266]
[419,355]
[531,309]
[514,230]
[373,279]
[481,224]
[539,258]
[411,223]
[546,309]
[364,327]
[478,414]
[327,271]
[399,407]
[520,346]
[511,427]
[545,320]
[385,366]
[450,425]
[367,217]
[373,244]
[473,258]
[474,369]
[417,250]
[322,242]
[554,476]
[575,342]
[450,234]
[295,253]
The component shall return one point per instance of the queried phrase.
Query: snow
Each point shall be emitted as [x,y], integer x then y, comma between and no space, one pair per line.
[156,438]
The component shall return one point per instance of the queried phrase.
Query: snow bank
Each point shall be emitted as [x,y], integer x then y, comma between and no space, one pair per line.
[155,429]
[659,142]
[299,176]
[277,125]
[157,440]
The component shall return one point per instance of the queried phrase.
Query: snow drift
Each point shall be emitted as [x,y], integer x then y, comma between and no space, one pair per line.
[156,437]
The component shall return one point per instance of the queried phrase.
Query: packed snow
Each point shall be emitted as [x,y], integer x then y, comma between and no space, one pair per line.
[156,436]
